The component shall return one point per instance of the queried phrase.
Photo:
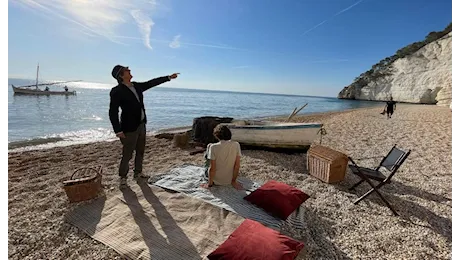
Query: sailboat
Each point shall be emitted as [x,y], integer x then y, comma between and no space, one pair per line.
[28,90]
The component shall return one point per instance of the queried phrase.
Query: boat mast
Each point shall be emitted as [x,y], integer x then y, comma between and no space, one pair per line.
[36,81]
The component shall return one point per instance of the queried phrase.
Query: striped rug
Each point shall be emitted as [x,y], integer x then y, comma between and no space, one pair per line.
[143,222]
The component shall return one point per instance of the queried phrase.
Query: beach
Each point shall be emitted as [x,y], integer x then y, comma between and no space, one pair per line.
[421,191]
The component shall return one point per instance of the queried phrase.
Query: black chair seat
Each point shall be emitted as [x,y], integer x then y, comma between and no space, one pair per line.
[392,161]
[370,173]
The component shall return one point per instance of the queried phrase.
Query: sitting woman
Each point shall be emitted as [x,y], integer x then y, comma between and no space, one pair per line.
[224,158]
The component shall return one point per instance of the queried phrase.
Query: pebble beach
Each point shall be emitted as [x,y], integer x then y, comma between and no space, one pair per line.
[421,191]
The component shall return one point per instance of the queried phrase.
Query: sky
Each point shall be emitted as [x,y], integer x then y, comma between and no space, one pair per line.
[299,47]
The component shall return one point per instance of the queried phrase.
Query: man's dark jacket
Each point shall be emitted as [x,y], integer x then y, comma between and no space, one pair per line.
[122,96]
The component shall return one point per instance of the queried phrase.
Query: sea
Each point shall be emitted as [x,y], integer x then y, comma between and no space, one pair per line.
[40,122]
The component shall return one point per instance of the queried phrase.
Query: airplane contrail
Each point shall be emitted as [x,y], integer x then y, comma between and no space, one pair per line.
[338,13]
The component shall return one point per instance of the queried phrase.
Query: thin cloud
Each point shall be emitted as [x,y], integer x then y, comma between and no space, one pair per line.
[175,43]
[101,18]
[241,67]
[338,13]
[145,25]
[36,6]
[224,47]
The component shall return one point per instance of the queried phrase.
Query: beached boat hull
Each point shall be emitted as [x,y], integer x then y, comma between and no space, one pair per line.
[275,134]
[26,91]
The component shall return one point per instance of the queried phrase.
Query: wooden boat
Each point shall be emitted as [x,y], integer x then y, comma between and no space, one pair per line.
[28,90]
[275,134]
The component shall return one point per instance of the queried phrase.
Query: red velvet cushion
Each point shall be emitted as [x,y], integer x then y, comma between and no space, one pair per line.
[252,240]
[277,198]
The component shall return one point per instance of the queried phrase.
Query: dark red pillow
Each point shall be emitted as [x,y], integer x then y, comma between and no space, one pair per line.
[252,240]
[277,198]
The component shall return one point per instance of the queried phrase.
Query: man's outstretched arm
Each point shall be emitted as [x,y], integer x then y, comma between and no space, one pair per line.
[152,83]
[155,82]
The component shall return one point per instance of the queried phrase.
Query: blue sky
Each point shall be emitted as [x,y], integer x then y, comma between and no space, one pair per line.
[303,47]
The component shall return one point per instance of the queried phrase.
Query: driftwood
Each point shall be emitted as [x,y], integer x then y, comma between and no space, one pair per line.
[170,132]
[180,140]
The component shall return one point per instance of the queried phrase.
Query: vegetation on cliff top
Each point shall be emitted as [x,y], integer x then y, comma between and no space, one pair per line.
[380,69]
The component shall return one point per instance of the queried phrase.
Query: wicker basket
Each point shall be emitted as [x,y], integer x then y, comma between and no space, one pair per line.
[86,187]
[326,164]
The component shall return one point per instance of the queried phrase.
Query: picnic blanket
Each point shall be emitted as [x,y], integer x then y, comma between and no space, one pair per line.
[144,222]
[187,179]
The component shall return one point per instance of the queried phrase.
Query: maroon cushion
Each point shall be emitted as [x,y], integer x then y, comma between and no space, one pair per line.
[252,240]
[277,198]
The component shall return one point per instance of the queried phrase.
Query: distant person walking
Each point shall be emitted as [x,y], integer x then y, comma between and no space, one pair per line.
[131,129]
[390,107]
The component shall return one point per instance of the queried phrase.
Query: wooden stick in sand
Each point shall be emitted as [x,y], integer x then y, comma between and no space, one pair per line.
[291,115]
[294,113]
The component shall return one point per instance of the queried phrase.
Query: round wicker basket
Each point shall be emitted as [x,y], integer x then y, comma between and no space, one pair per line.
[84,184]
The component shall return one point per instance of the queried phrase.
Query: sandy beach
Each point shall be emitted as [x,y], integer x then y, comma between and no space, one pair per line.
[421,191]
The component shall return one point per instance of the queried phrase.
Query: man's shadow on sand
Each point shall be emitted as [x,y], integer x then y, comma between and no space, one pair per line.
[176,240]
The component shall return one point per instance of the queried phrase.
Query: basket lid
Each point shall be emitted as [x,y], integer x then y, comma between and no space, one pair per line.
[326,152]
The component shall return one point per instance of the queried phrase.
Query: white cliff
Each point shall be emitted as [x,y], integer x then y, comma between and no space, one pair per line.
[424,76]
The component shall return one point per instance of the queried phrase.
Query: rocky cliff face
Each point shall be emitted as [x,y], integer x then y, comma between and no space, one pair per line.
[424,76]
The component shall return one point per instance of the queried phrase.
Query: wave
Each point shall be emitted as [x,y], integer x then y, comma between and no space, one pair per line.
[67,139]
[63,139]
[33,142]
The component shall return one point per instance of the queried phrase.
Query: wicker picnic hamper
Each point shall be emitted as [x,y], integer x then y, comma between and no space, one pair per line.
[86,187]
[326,164]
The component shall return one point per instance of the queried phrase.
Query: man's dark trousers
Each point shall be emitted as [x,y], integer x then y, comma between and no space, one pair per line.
[133,141]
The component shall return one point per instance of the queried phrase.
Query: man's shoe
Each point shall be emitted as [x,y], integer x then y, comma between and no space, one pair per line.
[140,176]
[123,182]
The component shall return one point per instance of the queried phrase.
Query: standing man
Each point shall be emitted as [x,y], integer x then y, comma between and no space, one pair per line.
[390,107]
[131,129]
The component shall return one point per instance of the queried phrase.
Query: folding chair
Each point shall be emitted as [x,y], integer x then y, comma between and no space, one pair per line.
[392,161]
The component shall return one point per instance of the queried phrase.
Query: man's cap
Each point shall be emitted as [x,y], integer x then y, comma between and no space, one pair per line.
[116,71]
